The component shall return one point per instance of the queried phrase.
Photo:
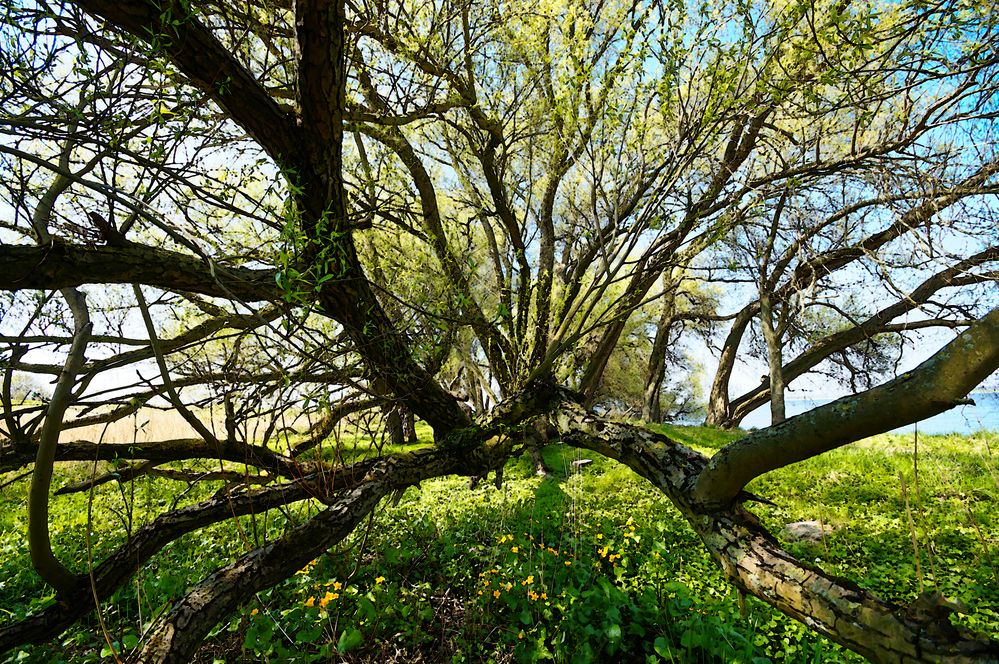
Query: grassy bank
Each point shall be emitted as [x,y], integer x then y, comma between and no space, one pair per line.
[587,565]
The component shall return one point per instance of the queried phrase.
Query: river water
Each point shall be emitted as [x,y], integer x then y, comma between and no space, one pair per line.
[984,415]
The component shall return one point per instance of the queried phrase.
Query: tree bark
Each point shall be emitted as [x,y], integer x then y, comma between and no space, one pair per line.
[754,561]
[177,635]
[61,265]
[956,275]
[656,371]
[936,385]
[775,360]
[409,426]
[718,402]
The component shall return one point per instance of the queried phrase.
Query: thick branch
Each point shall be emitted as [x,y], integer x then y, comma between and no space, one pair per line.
[754,561]
[39,544]
[955,275]
[60,265]
[170,27]
[936,385]
[16,455]
[147,541]
[178,634]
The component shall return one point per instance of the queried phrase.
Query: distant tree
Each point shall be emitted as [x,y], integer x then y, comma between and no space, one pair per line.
[24,388]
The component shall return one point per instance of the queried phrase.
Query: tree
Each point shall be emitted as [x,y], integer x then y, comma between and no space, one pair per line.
[553,162]
[817,263]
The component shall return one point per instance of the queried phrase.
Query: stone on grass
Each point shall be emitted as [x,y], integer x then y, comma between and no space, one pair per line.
[808,531]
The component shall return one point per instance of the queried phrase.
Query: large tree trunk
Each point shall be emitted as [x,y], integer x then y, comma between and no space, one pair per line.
[755,562]
[394,426]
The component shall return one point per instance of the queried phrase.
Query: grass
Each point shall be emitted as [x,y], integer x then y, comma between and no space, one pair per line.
[590,566]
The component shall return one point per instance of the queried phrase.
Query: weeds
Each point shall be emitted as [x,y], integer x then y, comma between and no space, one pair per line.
[579,567]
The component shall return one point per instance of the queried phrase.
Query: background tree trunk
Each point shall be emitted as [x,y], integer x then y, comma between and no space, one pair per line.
[775,360]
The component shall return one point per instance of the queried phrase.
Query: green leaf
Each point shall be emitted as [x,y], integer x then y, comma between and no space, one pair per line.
[349,639]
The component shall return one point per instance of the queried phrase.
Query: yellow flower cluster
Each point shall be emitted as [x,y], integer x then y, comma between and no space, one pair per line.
[323,601]
[603,554]
[308,567]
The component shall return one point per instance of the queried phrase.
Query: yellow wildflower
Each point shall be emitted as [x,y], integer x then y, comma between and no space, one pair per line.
[379,579]
[311,601]
[514,549]
[327,598]
[496,594]
[254,612]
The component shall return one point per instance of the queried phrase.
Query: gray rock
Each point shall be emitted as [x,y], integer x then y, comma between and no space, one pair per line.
[809,531]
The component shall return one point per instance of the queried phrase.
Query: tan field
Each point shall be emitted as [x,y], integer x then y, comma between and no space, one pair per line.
[151,424]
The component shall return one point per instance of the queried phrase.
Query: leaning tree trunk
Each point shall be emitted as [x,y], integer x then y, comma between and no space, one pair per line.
[656,370]
[754,561]
[718,402]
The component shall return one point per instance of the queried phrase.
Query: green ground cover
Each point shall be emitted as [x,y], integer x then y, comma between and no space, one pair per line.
[590,565]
